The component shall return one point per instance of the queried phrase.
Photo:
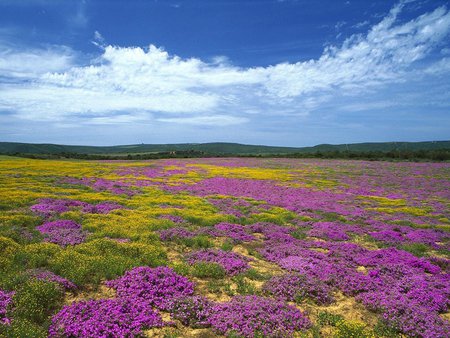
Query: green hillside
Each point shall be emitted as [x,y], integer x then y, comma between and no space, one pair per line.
[216,148]
[379,146]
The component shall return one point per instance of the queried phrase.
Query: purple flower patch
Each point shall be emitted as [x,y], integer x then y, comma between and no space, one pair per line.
[426,236]
[5,301]
[48,207]
[236,232]
[295,287]
[100,184]
[251,316]
[329,230]
[62,232]
[272,231]
[157,286]
[119,318]
[101,208]
[388,236]
[232,262]
[236,207]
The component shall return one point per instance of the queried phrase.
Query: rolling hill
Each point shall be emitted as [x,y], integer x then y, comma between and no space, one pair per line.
[215,148]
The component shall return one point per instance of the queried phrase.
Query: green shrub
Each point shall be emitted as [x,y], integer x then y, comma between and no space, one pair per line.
[347,329]
[36,300]
[275,215]
[146,254]
[22,328]
[91,262]
[39,254]
[403,222]
[76,216]
[210,220]
[17,219]
[171,333]
[208,270]
[383,330]
[219,286]
[254,253]
[20,234]
[11,280]
[198,242]
[332,217]
[180,268]
[243,287]
[444,252]
[254,274]
[299,234]
[80,269]
[228,245]
[8,252]
[328,318]
[417,249]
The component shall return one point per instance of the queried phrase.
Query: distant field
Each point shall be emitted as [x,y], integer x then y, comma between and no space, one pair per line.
[232,247]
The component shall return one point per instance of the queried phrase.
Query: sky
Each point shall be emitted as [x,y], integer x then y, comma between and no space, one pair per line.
[272,72]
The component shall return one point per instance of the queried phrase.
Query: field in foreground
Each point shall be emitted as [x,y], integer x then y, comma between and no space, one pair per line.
[224,247]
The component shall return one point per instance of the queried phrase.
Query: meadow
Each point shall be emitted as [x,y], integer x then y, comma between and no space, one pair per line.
[229,247]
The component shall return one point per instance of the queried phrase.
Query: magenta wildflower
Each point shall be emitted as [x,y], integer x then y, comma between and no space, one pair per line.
[62,232]
[48,207]
[250,316]
[121,318]
[295,287]
[232,262]
[157,286]
[5,302]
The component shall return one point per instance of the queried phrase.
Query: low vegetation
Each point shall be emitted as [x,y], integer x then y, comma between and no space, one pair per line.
[224,247]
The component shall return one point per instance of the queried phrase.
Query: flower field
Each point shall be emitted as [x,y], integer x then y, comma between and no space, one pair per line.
[229,247]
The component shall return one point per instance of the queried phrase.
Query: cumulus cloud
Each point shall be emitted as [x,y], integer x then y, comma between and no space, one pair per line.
[140,82]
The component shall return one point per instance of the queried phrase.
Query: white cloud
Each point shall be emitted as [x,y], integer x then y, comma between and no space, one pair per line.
[361,24]
[380,57]
[32,63]
[137,117]
[99,40]
[139,82]
[339,25]
[214,120]
[53,103]
[441,67]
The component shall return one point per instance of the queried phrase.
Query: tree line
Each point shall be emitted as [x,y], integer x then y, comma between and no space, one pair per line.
[435,155]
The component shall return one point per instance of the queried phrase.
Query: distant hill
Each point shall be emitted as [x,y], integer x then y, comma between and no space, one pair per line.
[217,148]
[379,146]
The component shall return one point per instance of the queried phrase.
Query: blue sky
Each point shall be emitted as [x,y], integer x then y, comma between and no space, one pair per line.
[275,72]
